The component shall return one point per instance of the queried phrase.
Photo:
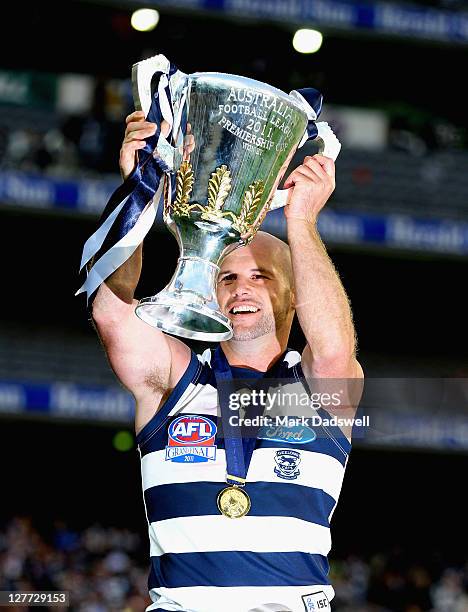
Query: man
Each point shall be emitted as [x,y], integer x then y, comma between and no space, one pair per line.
[275,556]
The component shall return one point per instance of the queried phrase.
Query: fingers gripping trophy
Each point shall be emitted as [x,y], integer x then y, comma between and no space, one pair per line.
[222,145]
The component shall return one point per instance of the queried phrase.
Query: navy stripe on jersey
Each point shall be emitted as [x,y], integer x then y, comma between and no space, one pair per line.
[193,369]
[234,568]
[170,501]
[322,444]
[246,373]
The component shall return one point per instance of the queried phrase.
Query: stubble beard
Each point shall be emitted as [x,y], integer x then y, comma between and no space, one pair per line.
[266,325]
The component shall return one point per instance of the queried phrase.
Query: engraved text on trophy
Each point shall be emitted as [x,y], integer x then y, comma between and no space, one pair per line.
[256,118]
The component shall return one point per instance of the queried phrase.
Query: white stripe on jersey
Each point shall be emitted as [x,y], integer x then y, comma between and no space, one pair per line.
[251,533]
[234,599]
[317,470]
[335,506]
[203,399]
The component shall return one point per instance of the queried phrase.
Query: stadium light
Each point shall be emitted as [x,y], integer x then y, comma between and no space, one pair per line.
[307,41]
[144,20]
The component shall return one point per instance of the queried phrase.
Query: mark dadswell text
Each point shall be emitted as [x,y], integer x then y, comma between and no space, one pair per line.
[303,421]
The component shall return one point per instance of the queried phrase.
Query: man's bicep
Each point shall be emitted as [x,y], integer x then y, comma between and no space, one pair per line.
[337,388]
[139,354]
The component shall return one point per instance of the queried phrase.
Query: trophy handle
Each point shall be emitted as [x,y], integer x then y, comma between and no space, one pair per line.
[329,145]
[142,75]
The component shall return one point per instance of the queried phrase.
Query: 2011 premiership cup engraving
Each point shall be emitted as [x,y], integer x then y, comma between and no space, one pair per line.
[254,117]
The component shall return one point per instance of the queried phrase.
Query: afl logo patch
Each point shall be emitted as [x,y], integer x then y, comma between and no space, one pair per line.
[191,439]
[287,462]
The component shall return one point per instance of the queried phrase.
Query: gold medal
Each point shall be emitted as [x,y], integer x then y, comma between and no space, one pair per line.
[233,502]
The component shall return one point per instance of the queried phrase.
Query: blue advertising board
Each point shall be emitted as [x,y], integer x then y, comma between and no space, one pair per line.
[340,227]
[383,18]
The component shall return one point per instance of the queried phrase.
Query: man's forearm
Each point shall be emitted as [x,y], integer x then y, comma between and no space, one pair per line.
[121,284]
[321,303]
[124,280]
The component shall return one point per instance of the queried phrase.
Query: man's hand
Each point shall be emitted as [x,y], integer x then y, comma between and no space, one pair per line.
[134,139]
[313,183]
[189,143]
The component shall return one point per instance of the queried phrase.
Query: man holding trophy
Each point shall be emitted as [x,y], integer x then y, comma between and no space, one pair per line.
[236,523]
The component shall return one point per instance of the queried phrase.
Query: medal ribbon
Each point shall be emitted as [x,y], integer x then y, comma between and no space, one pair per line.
[237,463]
[239,451]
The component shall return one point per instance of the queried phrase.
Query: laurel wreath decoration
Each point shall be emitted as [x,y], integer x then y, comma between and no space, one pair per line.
[184,183]
[249,209]
[184,186]
[256,226]
[219,186]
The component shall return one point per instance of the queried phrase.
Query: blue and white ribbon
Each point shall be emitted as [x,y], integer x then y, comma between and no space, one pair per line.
[311,102]
[132,208]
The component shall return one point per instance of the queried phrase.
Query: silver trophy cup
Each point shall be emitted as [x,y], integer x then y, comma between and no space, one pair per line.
[232,140]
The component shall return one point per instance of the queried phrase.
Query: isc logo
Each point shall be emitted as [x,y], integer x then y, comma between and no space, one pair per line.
[316,602]
[196,430]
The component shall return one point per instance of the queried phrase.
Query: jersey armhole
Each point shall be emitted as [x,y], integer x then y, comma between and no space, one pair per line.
[191,373]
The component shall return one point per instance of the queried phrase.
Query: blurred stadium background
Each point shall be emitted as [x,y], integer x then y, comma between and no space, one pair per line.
[393,78]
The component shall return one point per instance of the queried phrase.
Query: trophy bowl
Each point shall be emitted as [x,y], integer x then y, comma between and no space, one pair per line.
[242,134]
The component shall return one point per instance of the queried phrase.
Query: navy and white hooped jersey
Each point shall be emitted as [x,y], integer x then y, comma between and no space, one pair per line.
[275,557]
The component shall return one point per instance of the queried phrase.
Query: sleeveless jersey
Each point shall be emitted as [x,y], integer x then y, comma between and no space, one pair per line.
[275,557]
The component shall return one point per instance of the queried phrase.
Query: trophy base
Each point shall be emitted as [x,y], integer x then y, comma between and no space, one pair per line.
[182,315]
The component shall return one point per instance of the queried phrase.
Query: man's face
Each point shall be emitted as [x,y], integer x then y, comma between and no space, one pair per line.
[254,290]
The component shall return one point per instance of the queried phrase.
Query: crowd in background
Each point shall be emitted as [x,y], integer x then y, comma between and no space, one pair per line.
[68,144]
[86,144]
[72,147]
[104,569]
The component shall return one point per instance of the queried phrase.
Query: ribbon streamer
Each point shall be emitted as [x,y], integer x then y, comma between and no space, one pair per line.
[124,248]
[311,102]
[132,208]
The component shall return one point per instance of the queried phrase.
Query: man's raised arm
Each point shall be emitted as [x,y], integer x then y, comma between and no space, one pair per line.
[146,361]
[320,300]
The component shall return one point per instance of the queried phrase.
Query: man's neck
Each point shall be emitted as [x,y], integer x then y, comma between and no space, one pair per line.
[258,354]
